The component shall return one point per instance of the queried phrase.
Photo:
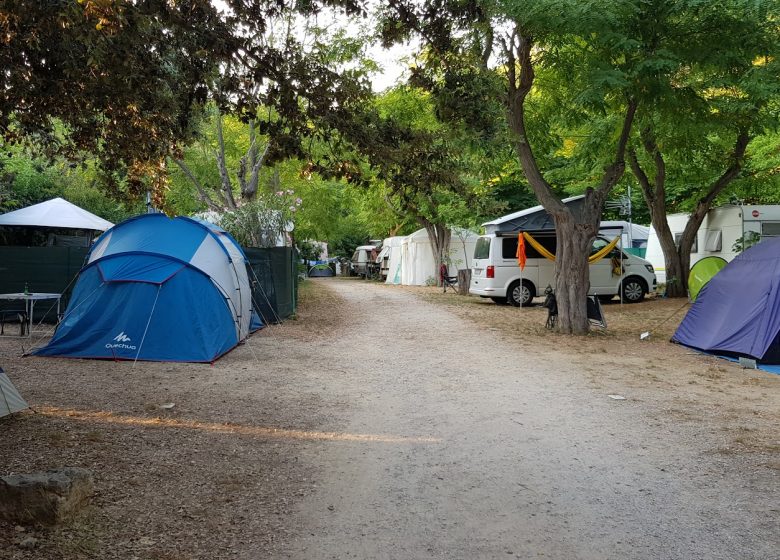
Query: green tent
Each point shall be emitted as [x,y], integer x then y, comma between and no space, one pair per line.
[702,272]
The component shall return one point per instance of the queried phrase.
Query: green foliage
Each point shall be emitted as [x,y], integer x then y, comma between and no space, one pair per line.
[26,179]
[308,251]
[124,78]
[760,184]
[263,221]
[715,92]
[126,81]
[746,241]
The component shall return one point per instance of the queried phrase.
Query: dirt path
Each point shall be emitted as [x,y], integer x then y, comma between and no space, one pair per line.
[380,425]
[507,451]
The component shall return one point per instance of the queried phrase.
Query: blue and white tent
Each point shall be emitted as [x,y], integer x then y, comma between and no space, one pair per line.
[158,289]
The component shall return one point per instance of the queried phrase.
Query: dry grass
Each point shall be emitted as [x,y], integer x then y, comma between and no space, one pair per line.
[685,386]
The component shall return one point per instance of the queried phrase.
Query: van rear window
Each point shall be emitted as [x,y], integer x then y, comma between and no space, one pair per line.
[482,250]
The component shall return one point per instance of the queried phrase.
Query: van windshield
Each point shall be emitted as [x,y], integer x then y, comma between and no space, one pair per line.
[599,243]
[482,250]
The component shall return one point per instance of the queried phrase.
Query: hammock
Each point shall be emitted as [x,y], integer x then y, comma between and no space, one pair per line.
[525,236]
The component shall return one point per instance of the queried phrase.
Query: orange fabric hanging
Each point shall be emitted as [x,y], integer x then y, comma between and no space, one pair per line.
[520,251]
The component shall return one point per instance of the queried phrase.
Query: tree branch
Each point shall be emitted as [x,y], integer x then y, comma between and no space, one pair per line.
[716,187]
[733,171]
[641,176]
[203,195]
[518,50]
[227,187]
[615,170]
[254,178]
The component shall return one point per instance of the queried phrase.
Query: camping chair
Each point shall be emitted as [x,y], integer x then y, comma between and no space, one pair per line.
[446,279]
[552,307]
[593,306]
[595,314]
[13,316]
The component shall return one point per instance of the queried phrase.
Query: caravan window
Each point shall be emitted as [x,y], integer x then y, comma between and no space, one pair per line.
[713,241]
[770,229]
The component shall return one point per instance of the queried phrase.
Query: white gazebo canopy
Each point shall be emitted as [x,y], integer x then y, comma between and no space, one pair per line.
[55,213]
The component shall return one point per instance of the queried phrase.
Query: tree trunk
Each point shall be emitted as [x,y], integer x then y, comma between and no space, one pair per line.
[439,235]
[571,281]
[677,256]
[574,236]
[676,281]
[464,281]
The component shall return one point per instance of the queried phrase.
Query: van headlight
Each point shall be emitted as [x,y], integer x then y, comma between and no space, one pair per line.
[650,268]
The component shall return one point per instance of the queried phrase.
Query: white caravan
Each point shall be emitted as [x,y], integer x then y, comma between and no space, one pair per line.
[496,275]
[389,259]
[362,258]
[719,232]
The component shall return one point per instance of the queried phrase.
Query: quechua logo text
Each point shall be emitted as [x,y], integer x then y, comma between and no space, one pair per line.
[121,342]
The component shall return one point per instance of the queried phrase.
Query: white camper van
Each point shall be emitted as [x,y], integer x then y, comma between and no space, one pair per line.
[718,233]
[495,273]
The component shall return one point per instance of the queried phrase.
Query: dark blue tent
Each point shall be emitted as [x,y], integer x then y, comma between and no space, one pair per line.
[737,313]
[161,289]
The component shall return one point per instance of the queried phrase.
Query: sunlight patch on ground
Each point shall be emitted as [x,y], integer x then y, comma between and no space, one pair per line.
[103,417]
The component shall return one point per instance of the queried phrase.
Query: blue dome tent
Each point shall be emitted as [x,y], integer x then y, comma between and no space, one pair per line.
[737,313]
[158,289]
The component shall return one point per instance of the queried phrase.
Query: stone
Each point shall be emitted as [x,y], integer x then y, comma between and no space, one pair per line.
[29,543]
[45,497]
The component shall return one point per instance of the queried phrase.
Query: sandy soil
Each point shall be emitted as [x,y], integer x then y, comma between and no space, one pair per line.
[404,423]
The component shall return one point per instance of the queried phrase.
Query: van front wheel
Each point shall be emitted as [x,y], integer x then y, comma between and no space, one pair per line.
[634,290]
[520,294]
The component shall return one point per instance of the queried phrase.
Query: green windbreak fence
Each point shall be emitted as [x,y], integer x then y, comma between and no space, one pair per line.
[54,269]
[41,269]
[274,281]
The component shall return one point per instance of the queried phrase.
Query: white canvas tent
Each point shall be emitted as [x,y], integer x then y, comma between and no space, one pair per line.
[391,248]
[418,263]
[55,213]
[10,399]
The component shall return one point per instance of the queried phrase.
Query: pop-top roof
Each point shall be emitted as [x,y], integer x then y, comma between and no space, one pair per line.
[534,218]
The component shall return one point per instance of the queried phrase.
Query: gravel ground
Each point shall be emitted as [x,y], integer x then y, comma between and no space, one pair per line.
[405,423]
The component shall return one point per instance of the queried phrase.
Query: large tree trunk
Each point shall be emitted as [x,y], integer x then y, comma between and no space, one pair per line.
[572,274]
[676,279]
[574,236]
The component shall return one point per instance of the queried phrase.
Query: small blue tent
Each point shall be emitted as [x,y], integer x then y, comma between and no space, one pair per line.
[737,313]
[158,289]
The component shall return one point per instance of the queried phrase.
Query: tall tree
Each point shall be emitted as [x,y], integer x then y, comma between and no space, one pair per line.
[596,48]
[567,68]
[694,139]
